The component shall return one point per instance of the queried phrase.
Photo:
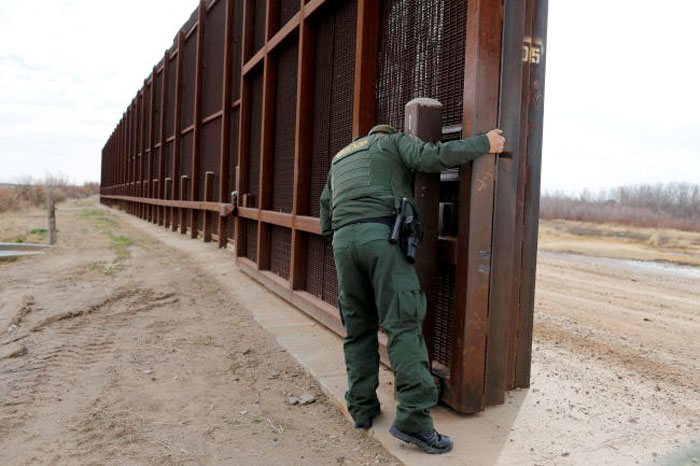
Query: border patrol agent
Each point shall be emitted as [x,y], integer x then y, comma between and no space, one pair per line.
[377,284]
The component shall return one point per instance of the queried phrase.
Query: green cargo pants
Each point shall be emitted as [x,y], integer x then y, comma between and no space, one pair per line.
[377,286]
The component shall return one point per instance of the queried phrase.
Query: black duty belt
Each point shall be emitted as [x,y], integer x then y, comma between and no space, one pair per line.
[388,221]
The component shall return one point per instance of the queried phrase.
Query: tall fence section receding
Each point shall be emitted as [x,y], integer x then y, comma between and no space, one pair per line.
[256,96]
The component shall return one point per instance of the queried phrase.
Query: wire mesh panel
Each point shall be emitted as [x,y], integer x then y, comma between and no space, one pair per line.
[209,161]
[259,13]
[256,90]
[287,9]
[186,169]
[321,278]
[232,164]
[167,162]
[158,89]
[250,245]
[213,58]
[188,81]
[148,89]
[443,315]
[209,156]
[330,277]
[155,157]
[186,156]
[314,266]
[285,128]
[138,142]
[334,72]
[170,98]
[280,250]
[237,48]
[421,54]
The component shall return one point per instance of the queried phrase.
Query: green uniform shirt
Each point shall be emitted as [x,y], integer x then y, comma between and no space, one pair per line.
[390,163]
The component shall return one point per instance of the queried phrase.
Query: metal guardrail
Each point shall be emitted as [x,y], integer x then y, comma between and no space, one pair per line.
[15,250]
[22,246]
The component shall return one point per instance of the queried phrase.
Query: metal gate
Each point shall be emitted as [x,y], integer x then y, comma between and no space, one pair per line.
[257,96]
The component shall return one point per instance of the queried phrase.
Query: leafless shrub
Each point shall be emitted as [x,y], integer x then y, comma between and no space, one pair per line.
[672,205]
[29,192]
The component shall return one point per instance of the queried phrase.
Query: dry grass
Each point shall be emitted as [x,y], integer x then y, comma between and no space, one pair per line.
[620,241]
[32,193]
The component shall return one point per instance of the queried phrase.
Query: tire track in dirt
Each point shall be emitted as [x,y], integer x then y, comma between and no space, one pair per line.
[176,373]
[61,349]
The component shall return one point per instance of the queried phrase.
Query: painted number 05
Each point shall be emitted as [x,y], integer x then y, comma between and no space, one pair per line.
[532,51]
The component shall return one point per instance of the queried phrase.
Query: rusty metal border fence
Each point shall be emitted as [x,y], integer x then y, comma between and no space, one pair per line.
[257,95]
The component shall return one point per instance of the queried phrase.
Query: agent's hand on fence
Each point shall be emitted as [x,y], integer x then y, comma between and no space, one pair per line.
[496,141]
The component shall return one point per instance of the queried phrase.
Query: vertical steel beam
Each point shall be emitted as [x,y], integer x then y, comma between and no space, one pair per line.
[137,155]
[208,197]
[303,140]
[128,154]
[135,174]
[168,212]
[481,81]
[151,138]
[244,121]
[125,153]
[177,193]
[120,154]
[538,39]
[196,135]
[121,162]
[267,146]
[364,104]
[142,147]
[161,132]
[132,155]
[522,186]
[423,120]
[184,179]
[225,153]
[502,300]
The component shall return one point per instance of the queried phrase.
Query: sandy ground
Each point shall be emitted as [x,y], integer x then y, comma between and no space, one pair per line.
[616,362]
[124,352]
[621,242]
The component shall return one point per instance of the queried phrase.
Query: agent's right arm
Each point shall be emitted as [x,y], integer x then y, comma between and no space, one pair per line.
[433,158]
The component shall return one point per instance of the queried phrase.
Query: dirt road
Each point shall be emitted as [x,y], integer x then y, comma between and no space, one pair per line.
[616,363]
[121,351]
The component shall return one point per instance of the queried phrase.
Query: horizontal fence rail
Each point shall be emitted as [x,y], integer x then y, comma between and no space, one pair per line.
[231,136]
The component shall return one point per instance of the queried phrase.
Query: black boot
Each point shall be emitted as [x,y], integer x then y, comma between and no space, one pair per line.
[430,441]
[367,423]
[363,424]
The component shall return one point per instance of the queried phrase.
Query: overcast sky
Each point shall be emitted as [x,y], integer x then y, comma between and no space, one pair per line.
[622,101]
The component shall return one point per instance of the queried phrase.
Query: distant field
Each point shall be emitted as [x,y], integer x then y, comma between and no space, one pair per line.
[25,195]
[620,241]
[670,206]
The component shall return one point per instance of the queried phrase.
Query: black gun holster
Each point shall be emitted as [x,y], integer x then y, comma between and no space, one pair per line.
[411,237]
[407,231]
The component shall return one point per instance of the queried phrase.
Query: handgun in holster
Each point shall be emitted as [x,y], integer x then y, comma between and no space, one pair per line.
[407,231]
